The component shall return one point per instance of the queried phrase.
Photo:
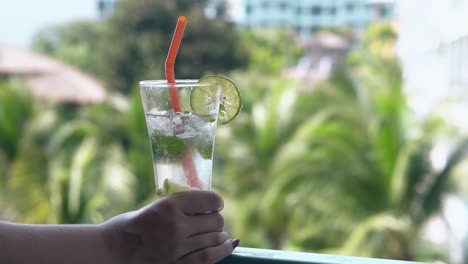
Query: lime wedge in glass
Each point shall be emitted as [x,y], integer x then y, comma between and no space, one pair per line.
[169,187]
[231,101]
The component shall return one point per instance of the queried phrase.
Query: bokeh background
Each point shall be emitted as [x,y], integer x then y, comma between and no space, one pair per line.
[352,139]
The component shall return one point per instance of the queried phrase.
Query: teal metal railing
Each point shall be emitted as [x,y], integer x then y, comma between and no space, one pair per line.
[263,256]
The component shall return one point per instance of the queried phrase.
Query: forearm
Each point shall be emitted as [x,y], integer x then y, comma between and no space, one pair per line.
[51,244]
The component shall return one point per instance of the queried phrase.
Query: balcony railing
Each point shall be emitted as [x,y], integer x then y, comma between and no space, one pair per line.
[263,256]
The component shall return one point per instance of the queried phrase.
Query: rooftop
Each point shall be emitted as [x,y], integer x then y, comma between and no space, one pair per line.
[328,41]
[49,79]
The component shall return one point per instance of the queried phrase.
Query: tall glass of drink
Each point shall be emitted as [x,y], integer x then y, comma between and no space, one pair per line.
[181,139]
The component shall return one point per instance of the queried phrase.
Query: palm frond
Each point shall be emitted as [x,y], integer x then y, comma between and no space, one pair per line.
[16,108]
[81,161]
[431,190]
[381,235]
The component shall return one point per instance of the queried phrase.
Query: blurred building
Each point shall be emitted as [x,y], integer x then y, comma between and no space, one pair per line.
[324,54]
[307,16]
[48,79]
[433,48]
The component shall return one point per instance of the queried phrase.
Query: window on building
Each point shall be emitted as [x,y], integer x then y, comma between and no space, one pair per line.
[101,5]
[350,7]
[332,10]
[314,29]
[283,5]
[248,9]
[105,7]
[384,11]
[352,25]
[316,10]
[299,11]
[266,5]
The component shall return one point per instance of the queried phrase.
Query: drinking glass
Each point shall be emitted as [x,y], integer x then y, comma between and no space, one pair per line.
[182,134]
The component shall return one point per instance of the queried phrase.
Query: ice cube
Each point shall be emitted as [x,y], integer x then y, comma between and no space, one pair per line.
[197,123]
[159,122]
[188,126]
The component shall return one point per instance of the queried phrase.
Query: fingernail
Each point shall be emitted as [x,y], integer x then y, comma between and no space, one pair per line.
[235,243]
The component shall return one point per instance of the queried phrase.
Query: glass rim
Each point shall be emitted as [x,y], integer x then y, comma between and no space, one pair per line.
[178,83]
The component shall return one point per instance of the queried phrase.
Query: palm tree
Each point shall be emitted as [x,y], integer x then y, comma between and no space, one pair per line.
[347,171]
[246,148]
[90,178]
[138,150]
[16,109]
[64,164]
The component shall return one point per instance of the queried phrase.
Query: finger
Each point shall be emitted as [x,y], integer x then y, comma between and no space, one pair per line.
[198,202]
[207,240]
[205,223]
[209,255]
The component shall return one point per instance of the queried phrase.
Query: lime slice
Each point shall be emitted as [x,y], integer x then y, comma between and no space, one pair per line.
[169,187]
[231,101]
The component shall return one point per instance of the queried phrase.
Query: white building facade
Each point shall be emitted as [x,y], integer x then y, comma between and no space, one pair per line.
[433,49]
[308,16]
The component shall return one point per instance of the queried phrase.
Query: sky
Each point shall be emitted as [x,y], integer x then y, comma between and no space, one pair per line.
[21,19]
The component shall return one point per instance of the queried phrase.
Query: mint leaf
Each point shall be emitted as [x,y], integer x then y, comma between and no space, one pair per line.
[166,148]
[205,150]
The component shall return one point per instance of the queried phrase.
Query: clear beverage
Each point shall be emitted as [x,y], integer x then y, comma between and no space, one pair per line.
[175,134]
[181,142]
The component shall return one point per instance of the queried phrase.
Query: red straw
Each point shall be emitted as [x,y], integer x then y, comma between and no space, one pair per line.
[187,162]
[170,61]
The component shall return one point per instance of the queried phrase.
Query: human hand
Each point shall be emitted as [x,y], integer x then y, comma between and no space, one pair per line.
[185,227]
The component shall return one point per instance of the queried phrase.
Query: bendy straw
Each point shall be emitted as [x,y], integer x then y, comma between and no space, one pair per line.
[187,162]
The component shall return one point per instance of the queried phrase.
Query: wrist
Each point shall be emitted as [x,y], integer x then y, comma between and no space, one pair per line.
[120,244]
[111,244]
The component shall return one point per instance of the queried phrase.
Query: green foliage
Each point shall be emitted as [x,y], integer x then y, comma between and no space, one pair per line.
[344,32]
[132,44]
[139,152]
[338,169]
[89,170]
[3,169]
[384,229]
[16,109]
[270,51]
[75,43]
[66,172]
[428,252]
[27,175]
[144,31]
[251,145]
